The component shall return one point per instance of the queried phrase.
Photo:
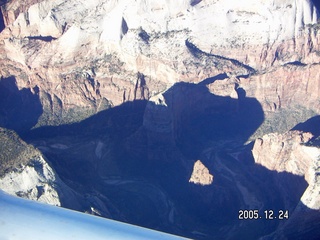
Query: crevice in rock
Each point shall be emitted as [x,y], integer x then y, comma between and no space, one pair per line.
[124,27]
[26,15]
[210,80]
[141,90]
[296,63]
[2,25]
[42,38]
[243,76]
[144,36]
[40,190]
[198,52]
[195,2]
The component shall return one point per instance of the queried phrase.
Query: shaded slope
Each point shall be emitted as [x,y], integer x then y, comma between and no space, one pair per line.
[144,173]
[19,109]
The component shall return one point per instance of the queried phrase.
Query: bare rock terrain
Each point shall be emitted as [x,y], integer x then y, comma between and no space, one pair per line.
[200,174]
[85,57]
[24,171]
[289,152]
[106,107]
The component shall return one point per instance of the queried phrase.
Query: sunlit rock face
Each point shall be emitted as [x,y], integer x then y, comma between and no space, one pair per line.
[119,100]
[200,174]
[283,152]
[88,56]
[288,152]
[24,172]
[292,152]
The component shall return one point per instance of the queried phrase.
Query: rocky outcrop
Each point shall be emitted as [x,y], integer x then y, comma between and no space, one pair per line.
[283,152]
[35,182]
[311,196]
[291,152]
[288,152]
[12,8]
[83,64]
[25,173]
[200,174]
[129,94]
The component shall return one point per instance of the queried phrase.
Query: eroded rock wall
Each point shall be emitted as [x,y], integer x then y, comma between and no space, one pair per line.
[25,172]
[86,57]
[139,90]
[291,152]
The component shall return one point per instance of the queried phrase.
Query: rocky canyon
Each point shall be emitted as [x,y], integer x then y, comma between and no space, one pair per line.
[180,116]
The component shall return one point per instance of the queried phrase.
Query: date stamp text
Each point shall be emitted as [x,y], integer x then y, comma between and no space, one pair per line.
[266,214]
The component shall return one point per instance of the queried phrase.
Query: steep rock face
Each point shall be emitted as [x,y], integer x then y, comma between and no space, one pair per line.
[24,172]
[165,83]
[200,174]
[288,152]
[29,182]
[283,152]
[12,9]
[311,197]
[86,57]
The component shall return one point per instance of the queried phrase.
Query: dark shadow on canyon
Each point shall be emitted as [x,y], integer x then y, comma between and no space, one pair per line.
[304,225]
[19,109]
[202,117]
[317,4]
[42,38]
[144,169]
[2,26]
[312,125]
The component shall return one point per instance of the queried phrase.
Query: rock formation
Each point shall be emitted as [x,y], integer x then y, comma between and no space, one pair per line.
[86,57]
[288,152]
[283,152]
[24,171]
[200,174]
[117,100]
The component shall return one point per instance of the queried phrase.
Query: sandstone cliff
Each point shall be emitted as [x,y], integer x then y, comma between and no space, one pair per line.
[24,171]
[120,98]
[85,57]
[200,174]
[288,152]
[291,152]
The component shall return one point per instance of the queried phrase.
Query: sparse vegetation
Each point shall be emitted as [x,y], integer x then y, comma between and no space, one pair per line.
[13,152]
[315,26]
[282,120]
